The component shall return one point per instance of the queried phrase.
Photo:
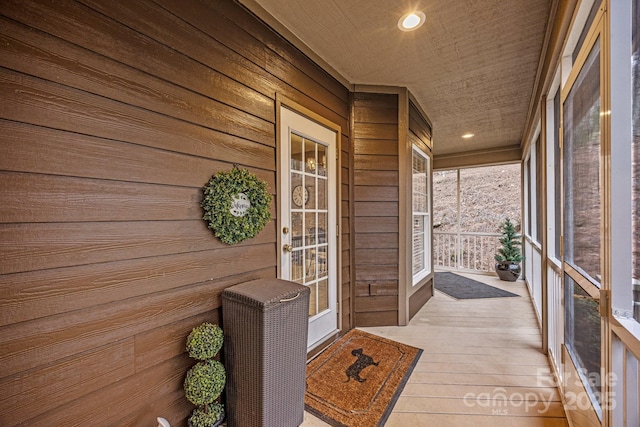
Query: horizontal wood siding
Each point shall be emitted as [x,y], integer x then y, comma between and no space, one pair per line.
[113,117]
[376,208]
[419,125]
[420,128]
[420,298]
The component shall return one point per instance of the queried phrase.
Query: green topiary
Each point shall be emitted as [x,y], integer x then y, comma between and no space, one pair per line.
[205,341]
[511,242]
[205,380]
[204,383]
[201,418]
[236,205]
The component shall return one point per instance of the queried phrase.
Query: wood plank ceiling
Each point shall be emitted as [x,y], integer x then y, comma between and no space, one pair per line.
[472,66]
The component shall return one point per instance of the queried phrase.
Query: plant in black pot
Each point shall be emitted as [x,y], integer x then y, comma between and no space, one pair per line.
[206,379]
[509,255]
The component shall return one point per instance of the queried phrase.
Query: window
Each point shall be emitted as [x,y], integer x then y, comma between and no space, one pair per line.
[421,201]
[582,332]
[582,170]
[538,190]
[635,72]
[557,193]
[581,112]
[552,189]
[534,191]
[528,199]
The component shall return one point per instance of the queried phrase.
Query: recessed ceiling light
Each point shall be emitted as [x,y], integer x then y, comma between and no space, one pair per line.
[411,21]
[467,135]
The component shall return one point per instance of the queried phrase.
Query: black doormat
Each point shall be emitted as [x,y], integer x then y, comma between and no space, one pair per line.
[460,287]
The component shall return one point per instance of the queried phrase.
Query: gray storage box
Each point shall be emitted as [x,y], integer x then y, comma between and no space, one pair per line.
[265,324]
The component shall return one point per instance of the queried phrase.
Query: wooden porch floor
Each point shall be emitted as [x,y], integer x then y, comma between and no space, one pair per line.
[482,365]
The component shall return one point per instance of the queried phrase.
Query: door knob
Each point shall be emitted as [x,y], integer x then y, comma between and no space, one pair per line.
[287,248]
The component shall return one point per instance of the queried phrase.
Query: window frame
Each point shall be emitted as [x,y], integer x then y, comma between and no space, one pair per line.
[418,276]
[620,152]
[568,257]
[571,270]
[534,195]
[554,173]
[527,178]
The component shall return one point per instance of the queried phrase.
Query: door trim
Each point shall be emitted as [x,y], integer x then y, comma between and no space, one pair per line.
[281,101]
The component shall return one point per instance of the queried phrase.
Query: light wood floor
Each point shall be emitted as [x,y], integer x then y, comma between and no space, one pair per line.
[481,366]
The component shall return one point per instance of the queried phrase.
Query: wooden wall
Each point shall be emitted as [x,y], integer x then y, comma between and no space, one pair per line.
[376,225]
[113,116]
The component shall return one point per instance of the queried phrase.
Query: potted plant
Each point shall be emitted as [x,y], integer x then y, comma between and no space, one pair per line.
[205,380]
[509,255]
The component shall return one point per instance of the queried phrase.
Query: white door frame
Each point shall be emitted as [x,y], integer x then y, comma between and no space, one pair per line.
[330,322]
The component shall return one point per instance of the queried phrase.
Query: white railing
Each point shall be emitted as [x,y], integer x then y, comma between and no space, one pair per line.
[465,251]
[625,385]
[533,274]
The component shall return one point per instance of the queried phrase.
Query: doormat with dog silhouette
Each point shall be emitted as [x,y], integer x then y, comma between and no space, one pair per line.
[356,381]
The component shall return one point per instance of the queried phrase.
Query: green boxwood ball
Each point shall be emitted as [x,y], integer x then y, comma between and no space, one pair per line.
[206,416]
[205,341]
[204,382]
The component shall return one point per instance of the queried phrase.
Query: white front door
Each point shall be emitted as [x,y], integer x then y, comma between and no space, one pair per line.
[308,217]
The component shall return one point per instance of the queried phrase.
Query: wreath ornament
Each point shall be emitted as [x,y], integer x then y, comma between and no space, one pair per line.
[236,205]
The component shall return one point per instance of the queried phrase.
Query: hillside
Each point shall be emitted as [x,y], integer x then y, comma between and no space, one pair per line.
[487,196]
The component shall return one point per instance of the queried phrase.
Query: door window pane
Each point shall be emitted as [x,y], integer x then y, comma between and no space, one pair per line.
[322,228]
[297,256]
[313,301]
[299,193]
[322,160]
[322,193]
[310,190]
[323,295]
[582,169]
[310,231]
[296,152]
[310,161]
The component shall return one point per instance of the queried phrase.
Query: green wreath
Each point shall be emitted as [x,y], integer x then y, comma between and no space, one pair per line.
[236,205]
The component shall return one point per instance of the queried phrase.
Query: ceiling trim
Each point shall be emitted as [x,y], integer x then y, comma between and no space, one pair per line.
[377,89]
[467,159]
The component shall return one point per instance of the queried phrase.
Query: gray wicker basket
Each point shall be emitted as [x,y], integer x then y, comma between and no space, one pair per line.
[265,325]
